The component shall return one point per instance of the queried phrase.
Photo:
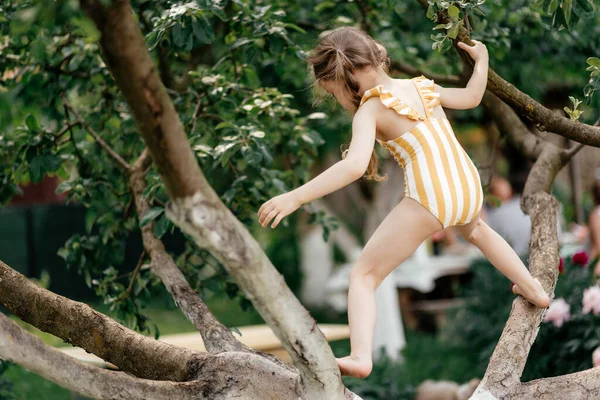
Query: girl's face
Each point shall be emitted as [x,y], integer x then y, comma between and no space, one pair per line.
[339,91]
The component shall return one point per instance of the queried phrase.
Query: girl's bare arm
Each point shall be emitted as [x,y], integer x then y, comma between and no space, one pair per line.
[470,96]
[350,168]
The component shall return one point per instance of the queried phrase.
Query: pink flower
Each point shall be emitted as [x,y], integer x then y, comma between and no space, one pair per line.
[558,312]
[581,258]
[591,300]
[596,357]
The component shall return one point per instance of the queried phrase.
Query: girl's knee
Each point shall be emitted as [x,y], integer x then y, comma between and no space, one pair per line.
[364,274]
[477,232]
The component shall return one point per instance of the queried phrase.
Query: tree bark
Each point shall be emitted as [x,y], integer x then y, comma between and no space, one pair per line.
[228,375]
[502,377]
[20,346]
[80,325]
[216,336]
[196,208]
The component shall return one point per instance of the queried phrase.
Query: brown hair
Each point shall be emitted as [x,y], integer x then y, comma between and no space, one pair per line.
[338,54]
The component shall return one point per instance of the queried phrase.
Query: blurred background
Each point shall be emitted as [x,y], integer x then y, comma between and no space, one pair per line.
[237,76]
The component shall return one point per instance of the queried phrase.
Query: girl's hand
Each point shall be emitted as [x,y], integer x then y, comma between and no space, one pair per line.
[478,52]
[278,207]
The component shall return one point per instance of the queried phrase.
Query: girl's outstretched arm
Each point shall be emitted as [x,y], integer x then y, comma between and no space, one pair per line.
[470,96]
[335,177]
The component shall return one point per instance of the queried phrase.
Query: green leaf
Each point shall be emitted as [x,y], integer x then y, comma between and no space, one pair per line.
[161,226]
[566,5]
[265,152]
[453,12]
[151,215]
[31,123]
[453,33]
[179,36]
[223,125]
[429,12]
[63,187]
[593,61]
[202,30]
[240,42]
[88,278]
[42,164]
[254,158]
[586,5]
[257,134]
[90,219]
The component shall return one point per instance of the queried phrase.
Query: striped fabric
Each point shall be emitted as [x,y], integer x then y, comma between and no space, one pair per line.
[438,172]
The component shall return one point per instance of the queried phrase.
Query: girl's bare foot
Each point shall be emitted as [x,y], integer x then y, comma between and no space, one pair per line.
[355,366]
[536,295]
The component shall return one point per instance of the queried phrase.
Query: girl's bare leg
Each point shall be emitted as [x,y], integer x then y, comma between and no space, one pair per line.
[398,236]
[504,258]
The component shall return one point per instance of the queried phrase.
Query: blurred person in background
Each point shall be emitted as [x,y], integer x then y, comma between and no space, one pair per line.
[508,219]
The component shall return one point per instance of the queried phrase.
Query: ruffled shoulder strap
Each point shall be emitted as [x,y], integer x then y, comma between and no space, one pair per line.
[390,101]
[426,89]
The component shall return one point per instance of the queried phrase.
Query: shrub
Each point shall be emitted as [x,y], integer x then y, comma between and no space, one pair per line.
[565,343]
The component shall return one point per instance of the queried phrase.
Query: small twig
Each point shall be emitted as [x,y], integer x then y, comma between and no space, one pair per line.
[213,116]
[72,138]
[135,273]
[570,153]
[467,22]
[197,112]
[159,202]
[64,130]
[122,163]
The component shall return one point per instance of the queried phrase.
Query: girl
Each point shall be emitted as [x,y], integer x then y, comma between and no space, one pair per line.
[442,188]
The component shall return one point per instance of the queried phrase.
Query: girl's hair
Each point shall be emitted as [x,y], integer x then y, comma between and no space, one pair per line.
[338,54]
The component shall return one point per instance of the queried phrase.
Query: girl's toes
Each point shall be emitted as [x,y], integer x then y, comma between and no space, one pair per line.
[516,290]
[356,368]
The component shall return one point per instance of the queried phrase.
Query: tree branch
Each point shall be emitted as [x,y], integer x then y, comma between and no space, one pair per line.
[78,324]
[197,209]
[579,385]
[568,154]
[122,163]
[135,272]
[523,104]
[509,124]
[27,350]
[216,336]
[227,375]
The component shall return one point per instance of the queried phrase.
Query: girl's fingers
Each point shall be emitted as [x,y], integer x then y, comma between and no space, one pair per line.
[270,217]
[265,212]
[277,220]
[266,203]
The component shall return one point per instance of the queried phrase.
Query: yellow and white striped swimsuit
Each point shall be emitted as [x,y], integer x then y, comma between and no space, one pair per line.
[438,172]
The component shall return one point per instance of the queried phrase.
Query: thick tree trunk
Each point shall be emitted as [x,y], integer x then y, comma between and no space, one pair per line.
[197,209]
